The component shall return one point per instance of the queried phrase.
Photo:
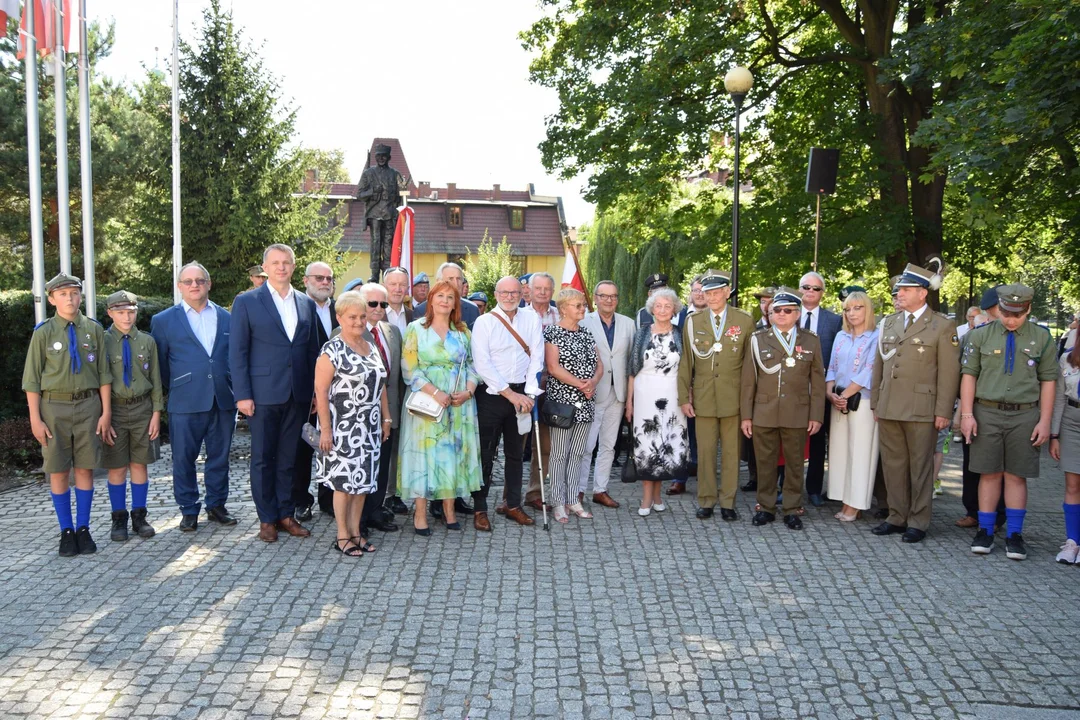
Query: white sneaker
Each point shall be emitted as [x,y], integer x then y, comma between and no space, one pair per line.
[1068,553]
[644,512]
[659,507]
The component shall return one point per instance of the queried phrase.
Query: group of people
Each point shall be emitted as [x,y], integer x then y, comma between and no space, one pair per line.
[399,401]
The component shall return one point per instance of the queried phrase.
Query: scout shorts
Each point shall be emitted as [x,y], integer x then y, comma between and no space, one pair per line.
[74,442]
[1003,443]
[133,443]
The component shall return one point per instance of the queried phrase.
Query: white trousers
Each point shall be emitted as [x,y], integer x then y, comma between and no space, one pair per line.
[604,429]
[853,456]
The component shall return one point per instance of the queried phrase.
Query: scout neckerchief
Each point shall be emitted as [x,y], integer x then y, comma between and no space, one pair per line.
[789,347]
[127,360]
[73,349]
[1010,352]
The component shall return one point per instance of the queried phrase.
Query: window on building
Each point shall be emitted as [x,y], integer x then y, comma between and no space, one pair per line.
[453,218]
[517,218]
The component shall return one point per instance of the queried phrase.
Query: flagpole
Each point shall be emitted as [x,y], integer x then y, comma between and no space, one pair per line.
[63,192]
[86,169]
[178,251]
[33,143]
[577,267]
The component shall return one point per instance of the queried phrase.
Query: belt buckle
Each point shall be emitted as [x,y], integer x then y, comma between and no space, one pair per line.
[1010,407]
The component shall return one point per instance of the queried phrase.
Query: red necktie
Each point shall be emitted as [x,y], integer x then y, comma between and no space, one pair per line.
[382,350]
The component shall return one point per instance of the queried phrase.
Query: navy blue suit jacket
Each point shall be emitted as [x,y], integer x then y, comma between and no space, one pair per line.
[469,312]
[828,325]
[192,378]
[266,366]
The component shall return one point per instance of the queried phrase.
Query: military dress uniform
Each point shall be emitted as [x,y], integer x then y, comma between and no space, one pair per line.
[710,370]
[916,378]
[783,391]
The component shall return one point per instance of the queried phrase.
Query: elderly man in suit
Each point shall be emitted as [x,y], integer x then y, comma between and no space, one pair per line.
[915,384]
[826,324]
[398,314]
[272,353]
[319,285]
[710,372]
[193,352]
[614,335]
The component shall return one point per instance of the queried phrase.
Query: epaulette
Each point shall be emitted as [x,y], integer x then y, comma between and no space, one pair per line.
[42,323]
[809,331]
[764,331]
[95,320]
[942,315]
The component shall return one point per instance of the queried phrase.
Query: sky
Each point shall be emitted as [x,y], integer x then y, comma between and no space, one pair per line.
[448,79]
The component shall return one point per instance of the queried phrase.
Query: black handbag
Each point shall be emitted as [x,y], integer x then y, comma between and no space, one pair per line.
[629,468]
[853,401]
[557,414]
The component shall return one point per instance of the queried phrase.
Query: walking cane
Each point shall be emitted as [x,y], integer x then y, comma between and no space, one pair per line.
[539,458]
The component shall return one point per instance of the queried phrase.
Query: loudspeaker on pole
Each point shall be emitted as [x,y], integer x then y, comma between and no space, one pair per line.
[821,171]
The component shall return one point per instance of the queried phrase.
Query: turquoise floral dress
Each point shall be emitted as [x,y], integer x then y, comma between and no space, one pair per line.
[438,459]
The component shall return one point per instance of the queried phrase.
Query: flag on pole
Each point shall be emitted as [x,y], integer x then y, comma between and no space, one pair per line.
[401,252]
[8,8]
[571,274]
[44,24]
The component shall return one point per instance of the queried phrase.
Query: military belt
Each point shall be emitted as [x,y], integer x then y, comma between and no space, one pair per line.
[68,397]
[1010,407]
[130,401]
[1073,403]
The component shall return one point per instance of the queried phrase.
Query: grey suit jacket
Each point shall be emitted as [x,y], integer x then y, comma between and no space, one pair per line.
[395,386]
[616,358]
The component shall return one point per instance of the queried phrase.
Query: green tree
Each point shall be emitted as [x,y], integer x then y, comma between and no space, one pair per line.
[489,264]
[329,164]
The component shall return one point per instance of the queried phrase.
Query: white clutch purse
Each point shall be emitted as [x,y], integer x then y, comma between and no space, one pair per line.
[422,405]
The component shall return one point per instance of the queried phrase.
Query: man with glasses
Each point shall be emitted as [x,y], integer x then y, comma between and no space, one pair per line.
[614,336]
[541,288]
[826,324]
[765,299]
[193,352]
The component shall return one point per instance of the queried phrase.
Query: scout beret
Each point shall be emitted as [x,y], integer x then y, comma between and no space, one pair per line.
[659,280]
[989,298]
[421,279]
[713,280]
[63,280]
[1014,298]
[766,293]
[786,297]
[353,284]
[257,271]
[122,299]
[482,297]
[849,290]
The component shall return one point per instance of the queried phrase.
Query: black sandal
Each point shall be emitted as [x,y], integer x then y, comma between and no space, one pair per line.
[354,551]
[365,546]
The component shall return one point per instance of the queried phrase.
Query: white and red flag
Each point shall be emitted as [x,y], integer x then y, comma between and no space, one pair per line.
[571,274]
[44,24]
[401,252]
[8,8]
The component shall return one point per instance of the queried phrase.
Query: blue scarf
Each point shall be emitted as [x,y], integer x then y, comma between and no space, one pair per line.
[127,361]
[73,349]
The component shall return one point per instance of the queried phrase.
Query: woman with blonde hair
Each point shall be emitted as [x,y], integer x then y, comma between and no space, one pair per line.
[853,439]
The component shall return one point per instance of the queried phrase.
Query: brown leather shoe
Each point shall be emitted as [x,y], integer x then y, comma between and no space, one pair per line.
[500,509]
[535,504]
[676,489]
[292,527]
[518,515]
[480,521]
[267,532]
[967,522]
[605,500]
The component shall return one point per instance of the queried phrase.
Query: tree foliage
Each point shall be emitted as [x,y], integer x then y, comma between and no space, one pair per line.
[489,264]
[328,164]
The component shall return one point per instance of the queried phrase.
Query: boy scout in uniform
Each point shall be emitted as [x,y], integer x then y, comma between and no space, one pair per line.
[67,383]
[1007,391]
[136,419]
[783,401]
[915,383]
[711,367]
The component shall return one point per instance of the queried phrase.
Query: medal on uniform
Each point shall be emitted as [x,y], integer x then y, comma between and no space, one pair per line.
[146,366]
[790,362]
[58,345]
[717,346]
[90,357]
[789,347]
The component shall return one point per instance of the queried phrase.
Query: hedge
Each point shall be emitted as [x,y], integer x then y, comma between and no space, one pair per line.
[16,327]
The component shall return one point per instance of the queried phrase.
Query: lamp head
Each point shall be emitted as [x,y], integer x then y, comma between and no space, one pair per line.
[738,81]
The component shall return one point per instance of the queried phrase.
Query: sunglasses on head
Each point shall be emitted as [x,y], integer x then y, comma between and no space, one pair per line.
[377,303]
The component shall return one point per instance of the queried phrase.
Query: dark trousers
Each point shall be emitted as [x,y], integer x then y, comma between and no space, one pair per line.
[374,502]
[187,432]
[815,469]
[274,433]
[497,419]
[301,492]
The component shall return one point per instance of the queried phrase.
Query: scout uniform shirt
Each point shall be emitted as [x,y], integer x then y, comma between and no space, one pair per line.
[713,366]
[782,391]
[145,371]
[986,358]
[48,361]
[917,375]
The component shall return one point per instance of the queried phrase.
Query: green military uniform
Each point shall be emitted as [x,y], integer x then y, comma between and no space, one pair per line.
[782,394]
[132,405]
[70,401]
[709,374]
[916,378]
[1006,407]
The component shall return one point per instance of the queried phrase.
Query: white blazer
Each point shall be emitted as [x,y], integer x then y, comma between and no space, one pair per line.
[615,359]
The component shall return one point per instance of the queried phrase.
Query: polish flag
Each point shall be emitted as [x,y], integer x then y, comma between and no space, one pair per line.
[571,274]
[401,252]
[44,25]
[8,8]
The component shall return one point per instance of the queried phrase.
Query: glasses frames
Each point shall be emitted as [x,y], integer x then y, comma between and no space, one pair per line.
[377,303]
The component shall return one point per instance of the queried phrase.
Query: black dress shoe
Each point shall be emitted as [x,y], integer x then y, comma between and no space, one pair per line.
[68,546]
[881,513]
[913,535]
[397,506]
[85,543]
[190,523]
[462,507]
[794,522]
[303,514]
[750,486]
[728,514]
[383,526]
[221,516]
[889,529]
[762,518]
[704,513]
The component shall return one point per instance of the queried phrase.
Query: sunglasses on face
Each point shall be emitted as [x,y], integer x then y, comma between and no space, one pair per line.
[188,282]
[376,303]
[322,278]
[785,310]
[815,288]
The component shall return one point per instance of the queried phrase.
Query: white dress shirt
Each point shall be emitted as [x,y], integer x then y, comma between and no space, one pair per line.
[286,307]
[499,359]
[203,323]
[396,317]
[550,317]
[815,315]
[323,311]
[917,314]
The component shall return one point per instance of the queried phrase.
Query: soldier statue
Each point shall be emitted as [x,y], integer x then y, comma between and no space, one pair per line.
[380,188]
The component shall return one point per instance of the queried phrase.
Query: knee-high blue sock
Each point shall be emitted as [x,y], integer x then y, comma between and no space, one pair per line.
[62,504]
[1014,521]
[138,494]
[118,496]
[1072,521]
[987,521]
[83,500]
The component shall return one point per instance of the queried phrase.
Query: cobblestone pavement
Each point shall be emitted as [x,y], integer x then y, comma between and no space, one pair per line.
[616,617]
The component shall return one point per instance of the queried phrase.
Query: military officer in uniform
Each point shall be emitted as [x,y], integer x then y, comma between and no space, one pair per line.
[783,401]
[257,276]
[1009,380]
[67,383]
[137,402]
[710,370]
[915,383]
[764,298]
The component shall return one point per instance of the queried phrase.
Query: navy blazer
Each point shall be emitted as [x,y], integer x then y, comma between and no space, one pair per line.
[192,378]
[828,325]
[469,312]
[266,366]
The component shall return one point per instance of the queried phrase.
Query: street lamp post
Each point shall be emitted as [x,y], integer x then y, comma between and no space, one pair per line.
[737,82]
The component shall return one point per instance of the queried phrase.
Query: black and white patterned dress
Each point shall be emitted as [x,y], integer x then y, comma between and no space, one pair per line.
[352,465]
[661,439]
[577,355]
